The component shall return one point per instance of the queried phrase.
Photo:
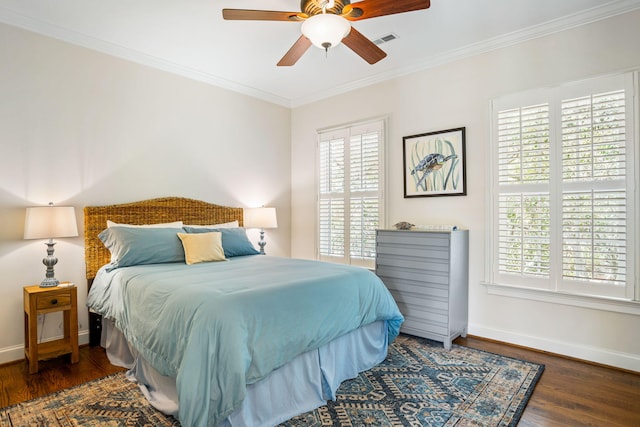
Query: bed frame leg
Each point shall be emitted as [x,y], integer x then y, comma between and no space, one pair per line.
[95,328]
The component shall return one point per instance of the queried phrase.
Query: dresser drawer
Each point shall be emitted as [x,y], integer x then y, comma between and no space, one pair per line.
[51,301]
[404,298]
[425,265]
[440,240]
[416,288]
[412,275]
[417,327]
[423,314]
[419,252]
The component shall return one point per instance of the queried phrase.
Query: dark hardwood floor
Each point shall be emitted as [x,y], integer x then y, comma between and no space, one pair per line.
[569,393]
[17,385]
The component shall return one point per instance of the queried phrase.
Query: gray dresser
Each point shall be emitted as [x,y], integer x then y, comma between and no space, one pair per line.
[427,273]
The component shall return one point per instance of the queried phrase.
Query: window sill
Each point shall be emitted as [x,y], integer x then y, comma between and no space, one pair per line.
[607,304]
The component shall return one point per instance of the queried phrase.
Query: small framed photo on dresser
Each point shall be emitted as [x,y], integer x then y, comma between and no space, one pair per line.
[434,164]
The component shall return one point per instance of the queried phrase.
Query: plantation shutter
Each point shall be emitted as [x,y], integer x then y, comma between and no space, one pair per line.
[332,193]
[594,197]
[350,193]
[523,202]
[563,176]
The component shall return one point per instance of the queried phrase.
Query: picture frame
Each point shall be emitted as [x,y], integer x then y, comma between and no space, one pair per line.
[434,164]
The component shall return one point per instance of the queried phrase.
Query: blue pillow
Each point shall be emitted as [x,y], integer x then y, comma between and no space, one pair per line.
[135,246]
[234,240]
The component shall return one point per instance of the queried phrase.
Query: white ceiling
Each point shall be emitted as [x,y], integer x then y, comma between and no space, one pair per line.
[190,38]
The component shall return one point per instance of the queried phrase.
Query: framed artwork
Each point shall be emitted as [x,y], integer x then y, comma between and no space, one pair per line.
[434,164]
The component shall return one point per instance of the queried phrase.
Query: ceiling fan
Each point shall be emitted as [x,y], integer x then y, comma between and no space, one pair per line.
[325,24]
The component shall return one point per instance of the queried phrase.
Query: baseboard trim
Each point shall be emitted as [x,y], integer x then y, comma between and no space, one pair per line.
[16,353]
[601,356]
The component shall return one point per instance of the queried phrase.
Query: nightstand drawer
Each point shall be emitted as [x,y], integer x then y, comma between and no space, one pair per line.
[51,301]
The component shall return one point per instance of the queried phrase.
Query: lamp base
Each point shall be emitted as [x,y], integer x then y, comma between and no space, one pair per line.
[50,260]
[49,282]
[262,243]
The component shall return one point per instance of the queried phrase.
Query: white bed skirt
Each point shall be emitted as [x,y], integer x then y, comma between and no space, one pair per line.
[303,384]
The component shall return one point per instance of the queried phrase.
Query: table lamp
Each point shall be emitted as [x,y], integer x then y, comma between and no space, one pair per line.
[260,218]
[47,222]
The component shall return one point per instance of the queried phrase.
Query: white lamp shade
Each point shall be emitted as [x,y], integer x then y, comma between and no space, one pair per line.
[326,30]
[260,218]
[47,222]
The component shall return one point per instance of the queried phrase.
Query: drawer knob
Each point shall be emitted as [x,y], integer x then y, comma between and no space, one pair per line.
[54,301]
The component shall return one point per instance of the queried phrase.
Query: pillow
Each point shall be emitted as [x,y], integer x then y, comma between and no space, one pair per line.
[177,224]
[141,245]
[202,247]
[234,240]
[232,224]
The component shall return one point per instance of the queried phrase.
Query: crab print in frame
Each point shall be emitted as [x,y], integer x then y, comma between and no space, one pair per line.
[434,164]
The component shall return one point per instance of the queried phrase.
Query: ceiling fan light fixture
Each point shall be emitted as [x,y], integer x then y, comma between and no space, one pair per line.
[326,30]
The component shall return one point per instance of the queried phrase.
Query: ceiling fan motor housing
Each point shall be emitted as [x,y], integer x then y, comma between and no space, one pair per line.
[314,7]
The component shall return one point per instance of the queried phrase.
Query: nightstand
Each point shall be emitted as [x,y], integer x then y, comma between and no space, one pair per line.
[39,300]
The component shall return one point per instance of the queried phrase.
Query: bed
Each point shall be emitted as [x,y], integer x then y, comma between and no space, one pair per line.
[240,339]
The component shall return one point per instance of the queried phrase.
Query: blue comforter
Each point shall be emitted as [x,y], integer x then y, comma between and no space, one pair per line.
[217,327]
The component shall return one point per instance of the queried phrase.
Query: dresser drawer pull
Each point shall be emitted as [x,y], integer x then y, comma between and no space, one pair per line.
[54,301]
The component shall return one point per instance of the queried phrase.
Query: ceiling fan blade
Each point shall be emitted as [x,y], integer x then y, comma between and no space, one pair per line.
[297,50]
[366,9]
[363,47]
[262,15]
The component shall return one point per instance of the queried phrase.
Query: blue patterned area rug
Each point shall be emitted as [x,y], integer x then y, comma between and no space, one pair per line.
[112,401]
[419,384]
[422,384]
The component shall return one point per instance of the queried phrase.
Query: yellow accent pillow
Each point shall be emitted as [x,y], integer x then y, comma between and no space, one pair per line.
[202,247]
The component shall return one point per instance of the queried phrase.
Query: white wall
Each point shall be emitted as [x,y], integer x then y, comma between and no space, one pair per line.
[455,95]
[82,128]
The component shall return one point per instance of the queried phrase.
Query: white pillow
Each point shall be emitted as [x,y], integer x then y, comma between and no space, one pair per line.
[176,224]
[232,224]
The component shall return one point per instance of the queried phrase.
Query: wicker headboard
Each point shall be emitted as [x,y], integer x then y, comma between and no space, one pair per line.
[167,209]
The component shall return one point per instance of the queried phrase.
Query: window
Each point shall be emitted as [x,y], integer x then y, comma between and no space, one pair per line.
[562,195]
[350,193]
